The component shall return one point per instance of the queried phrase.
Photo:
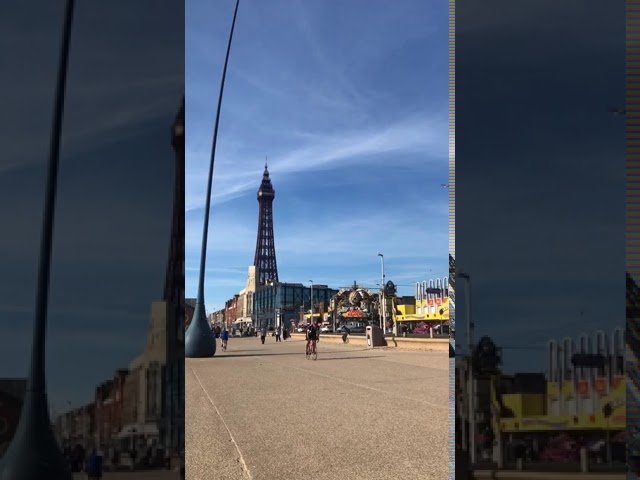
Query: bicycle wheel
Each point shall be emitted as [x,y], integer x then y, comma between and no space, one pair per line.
[314,353]
[308,352]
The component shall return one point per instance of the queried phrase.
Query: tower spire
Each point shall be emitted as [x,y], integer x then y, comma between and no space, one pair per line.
[265,256]
[266,165]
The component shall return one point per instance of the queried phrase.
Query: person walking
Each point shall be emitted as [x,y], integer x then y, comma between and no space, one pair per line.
[278,333]
[263,334]
[89,465]
[134,456]
[224,338]
[94,470]
[345,333]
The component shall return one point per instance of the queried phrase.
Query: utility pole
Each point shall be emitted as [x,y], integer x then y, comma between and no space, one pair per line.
[199,341]
[311,301]
[34,452]
[471,382]
[382,295]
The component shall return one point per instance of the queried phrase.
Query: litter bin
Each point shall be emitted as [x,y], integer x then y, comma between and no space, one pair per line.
[375,337]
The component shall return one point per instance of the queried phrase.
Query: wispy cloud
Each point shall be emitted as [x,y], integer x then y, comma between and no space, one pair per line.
[217,270]
[84,131]
[116,83]
[76,312]
[422,137]
[236,283]
[336,87]
[301,238]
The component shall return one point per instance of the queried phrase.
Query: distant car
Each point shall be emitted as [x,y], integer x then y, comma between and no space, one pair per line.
[327,329]
[301,329]
[356,329]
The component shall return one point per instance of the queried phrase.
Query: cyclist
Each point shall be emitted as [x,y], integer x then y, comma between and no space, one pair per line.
[313,334]
[224,336]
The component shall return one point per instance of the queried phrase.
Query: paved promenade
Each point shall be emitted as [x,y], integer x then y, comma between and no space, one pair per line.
[141,475]
[264,412]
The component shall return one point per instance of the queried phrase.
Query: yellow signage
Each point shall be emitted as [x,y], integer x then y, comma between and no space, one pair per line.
[552,390]
[439,312]
[568,391]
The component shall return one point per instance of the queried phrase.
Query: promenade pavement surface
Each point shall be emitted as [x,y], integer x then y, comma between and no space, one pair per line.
[265,412]
[140,475]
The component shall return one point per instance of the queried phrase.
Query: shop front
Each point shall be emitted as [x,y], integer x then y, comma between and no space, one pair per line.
[434,322]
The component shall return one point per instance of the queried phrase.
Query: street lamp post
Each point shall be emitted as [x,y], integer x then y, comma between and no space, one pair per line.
[311,301]
[34,452]
[199,340]
[471,384]
[382,295]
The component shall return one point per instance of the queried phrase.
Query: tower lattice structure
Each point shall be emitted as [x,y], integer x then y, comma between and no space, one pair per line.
[265,257]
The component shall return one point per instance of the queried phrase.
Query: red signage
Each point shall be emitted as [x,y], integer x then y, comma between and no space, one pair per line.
[617,380]
[601,385]
[583,388]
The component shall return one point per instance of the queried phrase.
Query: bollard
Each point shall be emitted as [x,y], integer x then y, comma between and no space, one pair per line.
[431,333]
[584,465]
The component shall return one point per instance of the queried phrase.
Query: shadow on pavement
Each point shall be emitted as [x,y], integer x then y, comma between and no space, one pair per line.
[347,358]
[249,355]
[350,350]
[237,354]
[248,350]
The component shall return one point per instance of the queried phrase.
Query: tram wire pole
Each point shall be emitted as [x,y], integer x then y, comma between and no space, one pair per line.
[34,452]
[471,387]
[200,341]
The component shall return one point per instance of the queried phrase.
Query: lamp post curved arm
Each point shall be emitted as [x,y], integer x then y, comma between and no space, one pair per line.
[199,340]
[34,452]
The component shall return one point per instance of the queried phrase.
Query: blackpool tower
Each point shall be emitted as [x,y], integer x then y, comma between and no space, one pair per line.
[265,258]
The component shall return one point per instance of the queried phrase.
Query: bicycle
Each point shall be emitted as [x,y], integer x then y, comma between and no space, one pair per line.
[312,351]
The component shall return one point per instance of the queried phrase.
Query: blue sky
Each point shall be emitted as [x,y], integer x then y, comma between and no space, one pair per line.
[349,102]
[113,212]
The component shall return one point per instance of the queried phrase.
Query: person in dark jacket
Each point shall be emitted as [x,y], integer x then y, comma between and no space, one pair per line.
[94,465]
[278,333]
[345,333]
[263,334]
